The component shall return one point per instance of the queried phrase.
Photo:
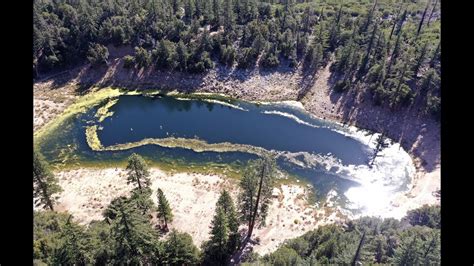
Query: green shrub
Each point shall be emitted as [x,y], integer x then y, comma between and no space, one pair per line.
[128,61]
[341,85]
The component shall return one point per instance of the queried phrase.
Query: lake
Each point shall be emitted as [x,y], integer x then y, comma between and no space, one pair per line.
[333,158]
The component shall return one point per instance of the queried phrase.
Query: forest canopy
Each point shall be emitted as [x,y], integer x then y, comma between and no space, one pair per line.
[391,48]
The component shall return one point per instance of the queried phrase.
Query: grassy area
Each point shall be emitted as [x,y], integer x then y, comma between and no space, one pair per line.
[168,166]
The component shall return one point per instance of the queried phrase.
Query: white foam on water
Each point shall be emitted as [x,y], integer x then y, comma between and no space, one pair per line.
[226,104]
[390,175]
[290,116]
[294,104]
[184,99]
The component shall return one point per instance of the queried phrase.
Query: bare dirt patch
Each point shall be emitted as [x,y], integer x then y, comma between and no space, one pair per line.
[87,192]
[49,102]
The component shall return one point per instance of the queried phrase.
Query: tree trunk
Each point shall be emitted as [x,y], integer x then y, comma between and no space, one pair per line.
[422,19]
[431,14]
[394,24]
[356,256]
[369,17]
[435,55]
[429,247]
[49,204]
[420,59]
[253,217]
[138,181]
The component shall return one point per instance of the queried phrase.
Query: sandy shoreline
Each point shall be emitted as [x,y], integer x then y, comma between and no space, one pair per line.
[192,197]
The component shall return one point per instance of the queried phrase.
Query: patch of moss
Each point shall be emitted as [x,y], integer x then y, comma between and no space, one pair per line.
[231,171]
[103,112]
[84,103]
[196,145]
[81,105]
[93,139]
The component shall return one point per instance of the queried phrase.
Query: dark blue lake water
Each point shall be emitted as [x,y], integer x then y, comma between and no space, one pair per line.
[336,155]
[137,117]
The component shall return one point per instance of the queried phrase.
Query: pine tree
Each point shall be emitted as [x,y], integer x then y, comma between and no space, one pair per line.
[432,252]
[45,185]
[359,247]
[402,91]
[164,209]
[381,46]
[142,57]
[133,239]
[301,44]
[407,253]
[75,246]
[370,15]
[216,11]
[137,171]
[396,22]
[166,55]
[216,249]
[226,203]
[399,24]
[381,144]
[98,54]
[228,16]
[257,186]
[182,56]
[206,11]
[198,9]
[420,60]
[321,38]
[363,67]
[306,20]
[435,56]
[180,250]
[175,6]
[287,44]
[380,250]
[430,80]
[334,32]
[431,14]
[422,19]
[113,209]
[395,53]
[142,199]
[188,11]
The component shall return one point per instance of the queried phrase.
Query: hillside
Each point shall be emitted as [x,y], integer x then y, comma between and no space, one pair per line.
[370,64]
